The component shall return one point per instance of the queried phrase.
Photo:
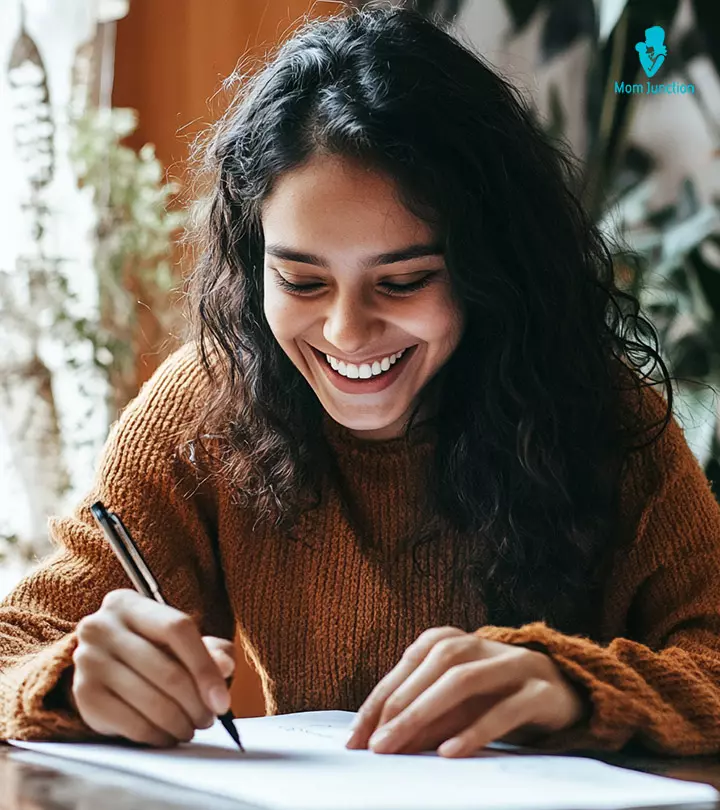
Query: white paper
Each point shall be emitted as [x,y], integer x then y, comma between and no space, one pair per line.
[299,762]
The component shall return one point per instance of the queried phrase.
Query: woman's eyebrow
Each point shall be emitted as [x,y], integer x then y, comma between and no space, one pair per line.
[392,257]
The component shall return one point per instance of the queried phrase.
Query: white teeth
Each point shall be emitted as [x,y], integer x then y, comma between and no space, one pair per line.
[365,370]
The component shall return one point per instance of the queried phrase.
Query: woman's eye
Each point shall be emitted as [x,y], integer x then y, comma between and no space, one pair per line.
[412,286]
[388,287]
[284,284]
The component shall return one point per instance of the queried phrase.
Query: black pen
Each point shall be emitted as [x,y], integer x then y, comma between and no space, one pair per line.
[141,577]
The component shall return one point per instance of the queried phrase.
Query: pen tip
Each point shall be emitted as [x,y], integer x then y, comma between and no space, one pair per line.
[226,720]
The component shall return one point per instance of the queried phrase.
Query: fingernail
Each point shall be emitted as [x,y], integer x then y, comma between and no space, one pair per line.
[226,665]
[451,747]
[380,738]
[219,699]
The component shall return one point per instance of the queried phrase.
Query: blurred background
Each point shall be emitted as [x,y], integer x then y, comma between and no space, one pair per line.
[100,101]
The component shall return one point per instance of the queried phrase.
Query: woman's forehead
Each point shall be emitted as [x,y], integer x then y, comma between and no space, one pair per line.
[335,203]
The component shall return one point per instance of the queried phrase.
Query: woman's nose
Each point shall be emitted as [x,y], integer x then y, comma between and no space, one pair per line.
[350,326]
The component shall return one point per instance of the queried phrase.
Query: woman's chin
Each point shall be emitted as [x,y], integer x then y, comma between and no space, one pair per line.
[375,429]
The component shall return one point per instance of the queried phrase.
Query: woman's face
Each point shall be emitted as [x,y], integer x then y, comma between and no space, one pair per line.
[367,286]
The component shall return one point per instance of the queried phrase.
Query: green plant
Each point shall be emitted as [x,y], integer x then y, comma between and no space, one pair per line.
[8,542]
[39,297]
[134,237]
[674,263]
[674,268]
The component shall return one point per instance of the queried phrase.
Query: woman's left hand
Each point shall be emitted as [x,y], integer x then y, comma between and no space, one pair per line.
[459,691]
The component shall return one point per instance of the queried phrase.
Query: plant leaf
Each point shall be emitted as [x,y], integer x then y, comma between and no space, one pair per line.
[521,12]
[608,13]
[555,126]
[691,45]
[568,21]
[707,19]
[709,279]
[608,113]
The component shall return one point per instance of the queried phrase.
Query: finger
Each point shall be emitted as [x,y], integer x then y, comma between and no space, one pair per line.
[443,656]
[109,715]
[222,653]
[448,724]
[369,713]
[224,663]
[163,671]
[217,643]
[164,625]
[154,705]
[454,686]
[516,710]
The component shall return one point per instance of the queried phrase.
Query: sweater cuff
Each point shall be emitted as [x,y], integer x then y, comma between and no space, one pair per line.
[613,718]
[24,687]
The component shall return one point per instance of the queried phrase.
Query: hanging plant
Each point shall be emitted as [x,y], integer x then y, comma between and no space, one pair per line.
[27,406]
[135,230]
[33,126]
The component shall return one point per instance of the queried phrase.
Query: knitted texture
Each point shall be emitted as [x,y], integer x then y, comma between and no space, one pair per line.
[326,615]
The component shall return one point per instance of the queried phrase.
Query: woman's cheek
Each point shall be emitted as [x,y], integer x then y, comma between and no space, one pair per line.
[282,316]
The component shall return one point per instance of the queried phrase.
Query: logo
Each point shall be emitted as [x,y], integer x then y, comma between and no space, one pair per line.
[653,51]
[652,54]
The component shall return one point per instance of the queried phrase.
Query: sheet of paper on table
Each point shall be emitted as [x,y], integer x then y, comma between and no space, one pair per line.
[299,762]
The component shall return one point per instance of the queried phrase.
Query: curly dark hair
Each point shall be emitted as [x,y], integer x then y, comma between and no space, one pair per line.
[531,426]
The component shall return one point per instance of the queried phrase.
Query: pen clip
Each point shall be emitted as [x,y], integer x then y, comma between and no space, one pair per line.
[126,552]
[136,556]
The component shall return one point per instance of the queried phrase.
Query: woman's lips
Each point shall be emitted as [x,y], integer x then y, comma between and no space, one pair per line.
[369,386]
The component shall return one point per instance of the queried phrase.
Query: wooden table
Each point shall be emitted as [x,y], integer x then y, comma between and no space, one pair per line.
[32,781]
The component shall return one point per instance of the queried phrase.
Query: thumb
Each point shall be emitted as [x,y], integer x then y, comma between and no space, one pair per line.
[222,652]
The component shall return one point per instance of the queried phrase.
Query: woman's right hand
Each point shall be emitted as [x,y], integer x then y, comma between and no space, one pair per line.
[143,671]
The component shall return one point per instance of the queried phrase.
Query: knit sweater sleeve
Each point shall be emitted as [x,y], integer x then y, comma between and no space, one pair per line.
[660,686]
[171,517]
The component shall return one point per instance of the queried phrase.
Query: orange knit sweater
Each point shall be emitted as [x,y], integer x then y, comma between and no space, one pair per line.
[327,620]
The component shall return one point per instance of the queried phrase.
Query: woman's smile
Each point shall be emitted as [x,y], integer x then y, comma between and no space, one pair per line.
[353,378]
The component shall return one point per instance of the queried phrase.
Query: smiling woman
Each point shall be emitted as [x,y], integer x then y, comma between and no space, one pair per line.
[410,448]
[380,294]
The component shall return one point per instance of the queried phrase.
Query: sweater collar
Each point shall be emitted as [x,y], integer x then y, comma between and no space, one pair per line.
[420,438]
